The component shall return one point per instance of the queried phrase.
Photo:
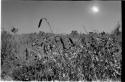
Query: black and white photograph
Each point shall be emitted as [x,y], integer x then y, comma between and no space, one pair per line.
[67,40]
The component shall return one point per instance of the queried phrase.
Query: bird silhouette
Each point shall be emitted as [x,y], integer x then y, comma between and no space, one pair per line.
[40,23]
[41,20]
[14,30]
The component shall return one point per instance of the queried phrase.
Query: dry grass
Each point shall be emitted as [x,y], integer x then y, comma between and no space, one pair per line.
[90,57]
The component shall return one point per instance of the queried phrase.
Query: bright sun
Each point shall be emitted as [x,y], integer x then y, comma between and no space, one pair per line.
[95,9]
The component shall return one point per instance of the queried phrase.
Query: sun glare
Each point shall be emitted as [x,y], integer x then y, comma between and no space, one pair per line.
[95,9]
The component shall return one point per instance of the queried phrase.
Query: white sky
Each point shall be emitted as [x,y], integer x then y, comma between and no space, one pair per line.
[63,16]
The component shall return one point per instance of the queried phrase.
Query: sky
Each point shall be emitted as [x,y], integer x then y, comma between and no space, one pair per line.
[63,16]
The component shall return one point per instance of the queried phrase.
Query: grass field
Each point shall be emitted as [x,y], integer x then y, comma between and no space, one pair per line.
[57,57]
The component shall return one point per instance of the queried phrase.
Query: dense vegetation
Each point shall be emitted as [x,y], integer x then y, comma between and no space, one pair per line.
[46,56]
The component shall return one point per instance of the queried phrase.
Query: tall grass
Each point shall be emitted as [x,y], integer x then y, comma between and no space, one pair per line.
[89,59]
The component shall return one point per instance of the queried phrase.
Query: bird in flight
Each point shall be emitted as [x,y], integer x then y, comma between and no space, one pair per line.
[40,22]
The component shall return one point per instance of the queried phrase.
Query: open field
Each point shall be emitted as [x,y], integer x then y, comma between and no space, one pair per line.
[70,57]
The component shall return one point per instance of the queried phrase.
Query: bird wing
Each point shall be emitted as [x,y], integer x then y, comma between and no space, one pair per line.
[40,23]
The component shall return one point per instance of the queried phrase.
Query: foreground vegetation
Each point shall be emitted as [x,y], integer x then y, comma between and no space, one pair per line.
[72,57]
